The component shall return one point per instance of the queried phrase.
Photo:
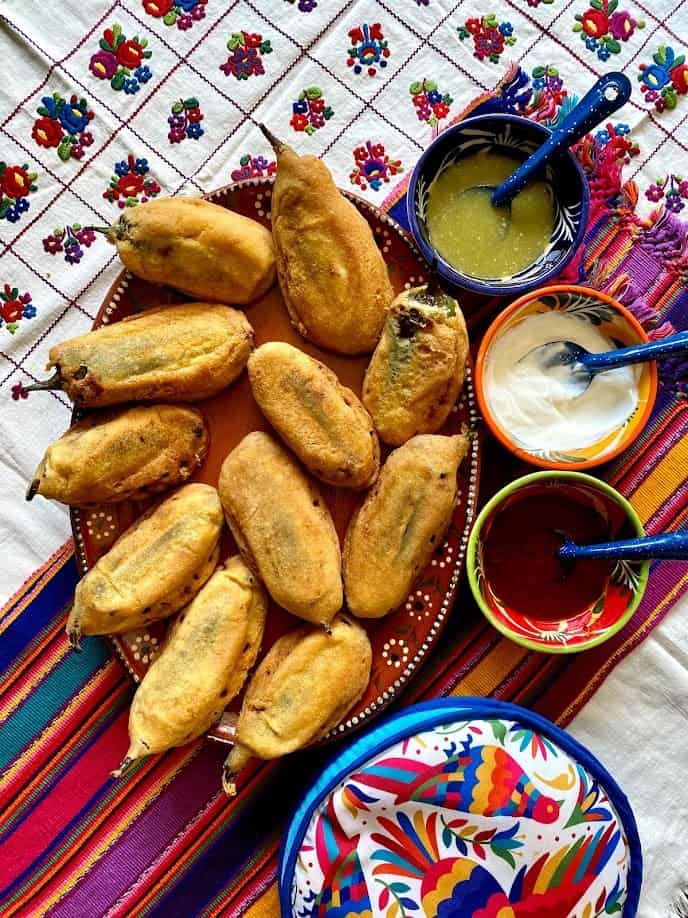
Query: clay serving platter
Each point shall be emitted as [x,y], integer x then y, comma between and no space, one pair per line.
[402,640]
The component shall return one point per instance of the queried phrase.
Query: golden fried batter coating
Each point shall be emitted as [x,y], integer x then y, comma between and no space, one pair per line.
[282,527]
[122,454]
[175,353]
[200,248]
[322,421]
[155,567]
[202,665]
[333,277]
[417,370]
[400,523]
[303,688]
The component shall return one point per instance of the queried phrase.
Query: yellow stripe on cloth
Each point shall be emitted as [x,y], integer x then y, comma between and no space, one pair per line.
[662,482]
[265,907]
[492,669]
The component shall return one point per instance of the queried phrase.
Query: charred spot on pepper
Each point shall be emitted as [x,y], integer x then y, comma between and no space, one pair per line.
[410,322]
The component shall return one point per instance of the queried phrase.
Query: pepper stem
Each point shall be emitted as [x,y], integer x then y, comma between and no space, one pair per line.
[277,145]
[32,490]
[55,382]
[126,764]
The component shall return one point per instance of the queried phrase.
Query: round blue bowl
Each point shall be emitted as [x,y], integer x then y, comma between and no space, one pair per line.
[517,137]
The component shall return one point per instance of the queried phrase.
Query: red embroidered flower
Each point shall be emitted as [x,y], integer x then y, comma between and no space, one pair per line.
[12,310]
[158,8]
[15,182]
[440,109]
[679,78]
[299,122]
[595,23]
[130,54]
[473,26]
[130,185]
[317,105]
[47,132]
[252,39]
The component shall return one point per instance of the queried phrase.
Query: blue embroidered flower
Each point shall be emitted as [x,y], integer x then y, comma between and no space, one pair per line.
[539,83]
[506,28]
[143,73]
[131,86]
[434,97]
[603,136]
[195,131]
[74,118]
[51,105]
[591,43]
[656,76]
[21,205]
[187,5]
[300,107]
[623,129]
[29,311]
[122,167]
[12,214]
[604,53]
[141,166]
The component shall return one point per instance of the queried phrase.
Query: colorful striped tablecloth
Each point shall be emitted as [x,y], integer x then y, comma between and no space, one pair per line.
[109,104]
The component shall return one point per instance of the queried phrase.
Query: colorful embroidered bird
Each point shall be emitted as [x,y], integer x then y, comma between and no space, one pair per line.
[484,780]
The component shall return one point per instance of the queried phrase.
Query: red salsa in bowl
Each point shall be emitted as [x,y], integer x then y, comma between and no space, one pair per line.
[522,586]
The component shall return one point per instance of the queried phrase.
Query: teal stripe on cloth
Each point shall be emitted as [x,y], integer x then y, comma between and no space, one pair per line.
[48,698]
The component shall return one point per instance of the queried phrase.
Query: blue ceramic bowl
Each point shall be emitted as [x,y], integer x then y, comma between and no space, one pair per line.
[517,137]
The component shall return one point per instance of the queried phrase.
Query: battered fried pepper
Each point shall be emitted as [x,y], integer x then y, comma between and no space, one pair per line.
[155,567]
[122,454]
[402,520]
[304,686]
[323,422]
[200,248]
[282,527]
[202,666]
[176,353]
[417,370]
[332,274]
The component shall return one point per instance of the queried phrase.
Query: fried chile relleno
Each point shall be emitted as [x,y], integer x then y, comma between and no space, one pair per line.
[203,664]
[200,248]
[417,369]
[175,353]
[122,454]
[401,521]
[283,527]
[322,421]
[333,277]
[304,686]
[154,568]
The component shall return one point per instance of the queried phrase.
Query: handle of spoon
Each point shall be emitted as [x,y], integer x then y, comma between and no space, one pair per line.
[608,94]
[636,353]
[669,546]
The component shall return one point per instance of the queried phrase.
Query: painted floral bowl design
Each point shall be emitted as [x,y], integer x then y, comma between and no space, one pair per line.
[619,326]
[518,138]
[599,621]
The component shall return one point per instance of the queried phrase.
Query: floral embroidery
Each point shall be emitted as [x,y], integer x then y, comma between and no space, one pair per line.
[185,121]
[131,184]
[603,26]
[538,2]
[70,239]
[121,60]
[14,308]
[182,13]
[310,111]
[373,167]
[63,125]
[431,105]
[18,391]
[16,184]
[664,80]
[253,167]
[617,139]
[674,190]
[368,48]
[245,59]
[307,6]
[489,36]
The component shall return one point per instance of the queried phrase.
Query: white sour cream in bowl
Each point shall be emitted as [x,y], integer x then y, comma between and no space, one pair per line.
[533,407]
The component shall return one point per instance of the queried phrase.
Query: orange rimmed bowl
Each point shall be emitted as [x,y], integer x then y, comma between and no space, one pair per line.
[617,324]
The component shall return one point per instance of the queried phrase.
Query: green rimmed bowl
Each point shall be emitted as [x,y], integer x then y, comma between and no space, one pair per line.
[599,621]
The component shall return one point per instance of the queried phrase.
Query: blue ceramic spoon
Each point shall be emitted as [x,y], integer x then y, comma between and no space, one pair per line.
[575,366]
[669,546]
[608,94]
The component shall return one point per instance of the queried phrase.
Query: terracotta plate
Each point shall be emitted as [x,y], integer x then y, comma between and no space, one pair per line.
[402,640]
